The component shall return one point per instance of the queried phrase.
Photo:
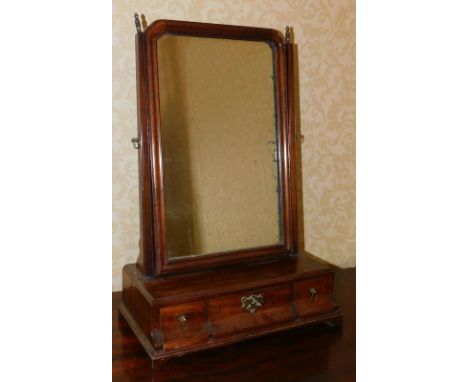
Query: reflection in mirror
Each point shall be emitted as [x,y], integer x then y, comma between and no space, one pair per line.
[219,142]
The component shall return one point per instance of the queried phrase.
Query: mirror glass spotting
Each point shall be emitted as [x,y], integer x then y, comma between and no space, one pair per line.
[220,145]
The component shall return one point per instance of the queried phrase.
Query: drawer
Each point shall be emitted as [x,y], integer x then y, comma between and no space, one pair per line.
[250,310]
[183,325]
[314,296]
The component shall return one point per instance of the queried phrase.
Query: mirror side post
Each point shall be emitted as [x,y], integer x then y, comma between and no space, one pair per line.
[145,261]
[291,141]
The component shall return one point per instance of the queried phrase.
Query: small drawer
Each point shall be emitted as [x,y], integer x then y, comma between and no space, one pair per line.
[250,310]
[183,325]
[314,296]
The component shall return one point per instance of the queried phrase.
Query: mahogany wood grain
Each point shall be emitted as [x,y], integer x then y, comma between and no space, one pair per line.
[230,279]
[154,260]
[146,259]
[184,325]
[139,306]
[322,301]
[291,152]
[222,289]
[159,27]
[158,291]
[311,354]
[228,317]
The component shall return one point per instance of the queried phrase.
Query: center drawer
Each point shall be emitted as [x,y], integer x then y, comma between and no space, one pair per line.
[250,310]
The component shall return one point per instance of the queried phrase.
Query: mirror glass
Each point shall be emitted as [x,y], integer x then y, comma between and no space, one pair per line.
[219,140]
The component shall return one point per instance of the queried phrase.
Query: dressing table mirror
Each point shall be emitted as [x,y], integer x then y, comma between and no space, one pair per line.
[219,260]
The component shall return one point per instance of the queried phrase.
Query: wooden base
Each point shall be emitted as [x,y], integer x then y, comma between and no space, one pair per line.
[176,315]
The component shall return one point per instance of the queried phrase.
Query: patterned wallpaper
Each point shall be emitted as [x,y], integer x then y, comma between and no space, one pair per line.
[325,33]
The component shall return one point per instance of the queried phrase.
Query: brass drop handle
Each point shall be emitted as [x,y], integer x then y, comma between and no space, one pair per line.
[136,143]
[313,294]
[252,303]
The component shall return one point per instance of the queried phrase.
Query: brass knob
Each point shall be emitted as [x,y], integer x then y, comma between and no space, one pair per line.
[313,294]
[183,319]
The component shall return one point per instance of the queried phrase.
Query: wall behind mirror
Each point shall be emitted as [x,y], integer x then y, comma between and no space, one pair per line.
[218,127]
[325,32]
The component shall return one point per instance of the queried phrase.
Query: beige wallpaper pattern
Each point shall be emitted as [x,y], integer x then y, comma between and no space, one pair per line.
[325,34]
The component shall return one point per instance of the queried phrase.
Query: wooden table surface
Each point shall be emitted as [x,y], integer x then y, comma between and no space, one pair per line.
[315,353]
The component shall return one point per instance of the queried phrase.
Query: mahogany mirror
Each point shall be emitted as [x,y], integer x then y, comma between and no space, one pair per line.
[218,261]
[215,146]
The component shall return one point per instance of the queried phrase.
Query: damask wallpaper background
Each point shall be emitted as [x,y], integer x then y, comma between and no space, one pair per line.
[324,31]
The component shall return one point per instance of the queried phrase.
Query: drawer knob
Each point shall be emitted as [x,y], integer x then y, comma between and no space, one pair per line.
[313,294]
[252,303]
[183,319]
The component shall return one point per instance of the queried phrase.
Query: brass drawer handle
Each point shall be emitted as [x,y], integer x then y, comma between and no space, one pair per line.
[313,294]
[252,303]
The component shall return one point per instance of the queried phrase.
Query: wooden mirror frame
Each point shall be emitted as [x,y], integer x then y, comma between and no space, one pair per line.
[153,260]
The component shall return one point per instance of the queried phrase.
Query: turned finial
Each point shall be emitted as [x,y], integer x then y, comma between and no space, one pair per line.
[137,22]
[289,34]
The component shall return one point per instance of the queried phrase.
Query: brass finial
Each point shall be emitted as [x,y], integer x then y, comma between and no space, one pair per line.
[137,22]
[144,24]
[289,37]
